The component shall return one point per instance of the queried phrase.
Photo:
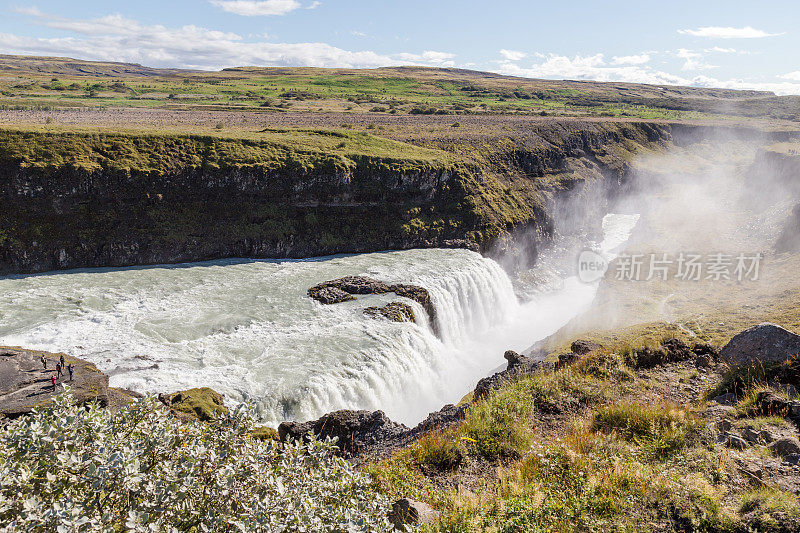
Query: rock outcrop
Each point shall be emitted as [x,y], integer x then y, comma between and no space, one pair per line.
[764,343]
[343,289]
[410,512]
[203,403]
[359,433]
[25,382]
[394,311]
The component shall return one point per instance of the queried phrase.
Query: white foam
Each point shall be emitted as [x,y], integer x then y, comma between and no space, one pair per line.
[248,329]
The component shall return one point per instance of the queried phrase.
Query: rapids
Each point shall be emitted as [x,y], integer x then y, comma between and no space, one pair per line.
[247,329]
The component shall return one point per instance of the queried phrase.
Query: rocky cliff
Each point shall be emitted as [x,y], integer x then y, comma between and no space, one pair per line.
[111,199]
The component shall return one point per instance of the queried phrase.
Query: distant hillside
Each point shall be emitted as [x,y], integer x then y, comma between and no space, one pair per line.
[78,67]
[46,83]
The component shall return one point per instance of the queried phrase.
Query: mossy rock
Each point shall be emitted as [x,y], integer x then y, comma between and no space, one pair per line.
[264,433]
[203,403]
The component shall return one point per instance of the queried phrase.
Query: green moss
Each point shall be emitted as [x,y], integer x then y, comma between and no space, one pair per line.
[202,403]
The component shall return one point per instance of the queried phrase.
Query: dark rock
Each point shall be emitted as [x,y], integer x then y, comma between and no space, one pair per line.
[724,425]
[358,432]
[395,311]
[795,407]
[448,415]
[705,355]
[330,295]
[364,285]
[513,358]
[789,239]
[732,441]
[567,359]
[785,447]
[728,398]
[765,343]
[792,458]
[766,436]
[409,512]
[522,365]
[752,436]
[25,383]
[582,347]
[769,403]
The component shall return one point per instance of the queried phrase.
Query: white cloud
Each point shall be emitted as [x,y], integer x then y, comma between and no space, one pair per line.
[639,59]
[513,55]
[429,57]
[115,38]
[553,66]
[794,76]
[718,32]
[253,8]
[313,5]
[693,60]
[589,68]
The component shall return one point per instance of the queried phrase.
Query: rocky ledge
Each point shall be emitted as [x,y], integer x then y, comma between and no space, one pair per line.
[344,289]
[26,381]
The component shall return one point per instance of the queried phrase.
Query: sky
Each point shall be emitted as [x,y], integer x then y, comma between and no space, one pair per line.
[704,43]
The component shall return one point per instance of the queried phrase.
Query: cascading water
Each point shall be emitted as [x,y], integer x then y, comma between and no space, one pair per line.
[247,328]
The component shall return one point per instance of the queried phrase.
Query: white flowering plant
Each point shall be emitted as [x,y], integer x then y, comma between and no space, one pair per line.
[70,468]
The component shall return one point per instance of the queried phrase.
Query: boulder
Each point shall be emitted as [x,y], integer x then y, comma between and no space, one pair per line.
[409,512]
[447,416]
[795,407]
[25,383]
[754,436]
[728,398]
[582,347]
[331,292]
[394,311]
[765,343]
[785,447]
[793,459]
[513,358]
[768,403]
[567,359]
[358,432]
[201,403]
[330,295]
[732,441]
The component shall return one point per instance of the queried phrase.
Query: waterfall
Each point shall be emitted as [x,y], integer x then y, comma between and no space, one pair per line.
[247,328]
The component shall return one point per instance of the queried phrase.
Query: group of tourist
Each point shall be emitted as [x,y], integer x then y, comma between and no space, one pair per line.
[60,366]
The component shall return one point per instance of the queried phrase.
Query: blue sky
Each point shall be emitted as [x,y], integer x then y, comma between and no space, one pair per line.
[704,43]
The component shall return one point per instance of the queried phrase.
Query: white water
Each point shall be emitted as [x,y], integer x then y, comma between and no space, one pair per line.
[247,328]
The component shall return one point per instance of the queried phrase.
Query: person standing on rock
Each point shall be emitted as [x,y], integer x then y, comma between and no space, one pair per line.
[44,362]
[61,360]
[59,370]
[70,369]
[53,381]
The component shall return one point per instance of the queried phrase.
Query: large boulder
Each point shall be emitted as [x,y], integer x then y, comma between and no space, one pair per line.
[201,403]
[408,512]
[764,343]
[394,311]
[444,418]
[785,447]
[25,383]
[343,289]
[358,432]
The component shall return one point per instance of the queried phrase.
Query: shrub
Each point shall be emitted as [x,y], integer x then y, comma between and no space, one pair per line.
[660,430]
[771,510]
[439,450]
[69,468]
